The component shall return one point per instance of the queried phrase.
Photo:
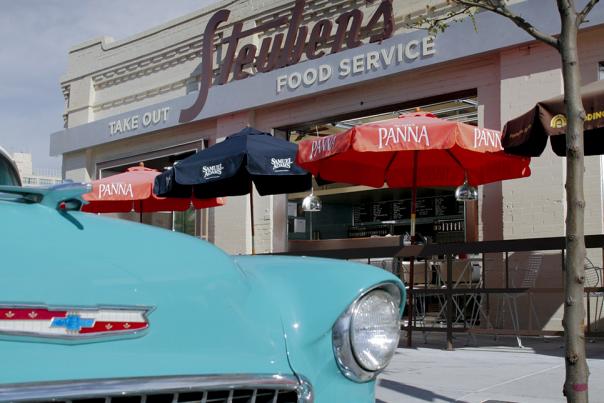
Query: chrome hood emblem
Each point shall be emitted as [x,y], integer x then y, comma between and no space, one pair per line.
[72,324]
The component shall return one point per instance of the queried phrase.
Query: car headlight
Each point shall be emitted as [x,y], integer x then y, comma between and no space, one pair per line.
[366,336]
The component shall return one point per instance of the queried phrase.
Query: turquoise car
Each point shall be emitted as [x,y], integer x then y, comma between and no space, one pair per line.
[95,309]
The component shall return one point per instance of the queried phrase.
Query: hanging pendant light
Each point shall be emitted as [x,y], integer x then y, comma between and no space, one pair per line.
[466,192]
[311,203]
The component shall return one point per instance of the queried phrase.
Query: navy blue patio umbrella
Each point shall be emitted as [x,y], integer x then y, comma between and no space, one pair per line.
[229,168]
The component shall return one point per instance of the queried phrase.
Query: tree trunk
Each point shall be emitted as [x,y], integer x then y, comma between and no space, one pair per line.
[577,373]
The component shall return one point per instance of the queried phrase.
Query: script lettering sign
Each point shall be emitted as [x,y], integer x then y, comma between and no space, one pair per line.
[284,49]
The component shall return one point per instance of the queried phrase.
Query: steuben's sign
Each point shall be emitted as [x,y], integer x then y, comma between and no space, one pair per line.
[284,49]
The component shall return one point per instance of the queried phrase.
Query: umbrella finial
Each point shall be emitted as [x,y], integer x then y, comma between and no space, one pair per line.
[141,164]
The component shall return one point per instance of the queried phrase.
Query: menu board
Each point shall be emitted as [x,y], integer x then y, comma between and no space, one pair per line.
[440,206]
[401,209]
[381,211]
[424,207]
[360,213]
[447,206]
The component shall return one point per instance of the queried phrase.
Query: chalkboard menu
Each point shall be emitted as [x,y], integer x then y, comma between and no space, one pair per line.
[401,209]
[440,206]
[381,211]
[360,213]
[424,207]
[446,206]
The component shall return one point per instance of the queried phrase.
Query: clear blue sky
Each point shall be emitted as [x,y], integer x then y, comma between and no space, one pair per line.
[35,36]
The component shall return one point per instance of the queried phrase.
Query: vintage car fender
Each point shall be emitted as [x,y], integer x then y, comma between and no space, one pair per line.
[311,294]
[213,313]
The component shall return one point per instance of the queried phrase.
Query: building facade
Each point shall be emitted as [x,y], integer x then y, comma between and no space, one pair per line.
[298,68]
[34,176]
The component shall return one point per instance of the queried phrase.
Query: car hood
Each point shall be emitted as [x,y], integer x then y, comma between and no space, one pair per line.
[207,317]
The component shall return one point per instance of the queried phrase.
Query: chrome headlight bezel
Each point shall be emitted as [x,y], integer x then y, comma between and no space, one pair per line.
[342,337]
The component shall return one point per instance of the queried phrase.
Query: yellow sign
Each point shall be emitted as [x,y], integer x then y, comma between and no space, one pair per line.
[558,122]
[594,116]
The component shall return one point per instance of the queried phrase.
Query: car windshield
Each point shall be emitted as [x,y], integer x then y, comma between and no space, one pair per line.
[8,175]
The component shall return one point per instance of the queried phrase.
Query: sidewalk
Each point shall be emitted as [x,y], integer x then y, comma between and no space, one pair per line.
[494,371]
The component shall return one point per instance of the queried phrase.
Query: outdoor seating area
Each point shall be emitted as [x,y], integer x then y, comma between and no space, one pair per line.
[430,307]
[481,293]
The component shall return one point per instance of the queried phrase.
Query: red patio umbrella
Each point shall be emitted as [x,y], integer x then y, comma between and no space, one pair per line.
[413,150]
[410,151]
[442,152]
[133,191]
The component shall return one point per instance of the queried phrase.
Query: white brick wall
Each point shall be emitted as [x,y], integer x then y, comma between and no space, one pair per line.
[533,207]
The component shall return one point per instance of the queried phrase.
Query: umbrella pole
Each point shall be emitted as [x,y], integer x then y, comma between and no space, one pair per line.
[140,215]
[252,215]
[411,262]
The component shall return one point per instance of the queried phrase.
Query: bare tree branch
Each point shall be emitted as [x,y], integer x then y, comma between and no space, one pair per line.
[435,23]
[449,16]
[583,13]
[500,8]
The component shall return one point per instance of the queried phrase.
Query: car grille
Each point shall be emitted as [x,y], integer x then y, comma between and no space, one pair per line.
[191,389]
[218,396]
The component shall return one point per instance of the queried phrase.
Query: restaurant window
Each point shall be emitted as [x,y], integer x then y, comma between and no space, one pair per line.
[364,212]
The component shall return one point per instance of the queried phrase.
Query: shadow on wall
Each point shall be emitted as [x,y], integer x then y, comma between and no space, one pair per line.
[491,211]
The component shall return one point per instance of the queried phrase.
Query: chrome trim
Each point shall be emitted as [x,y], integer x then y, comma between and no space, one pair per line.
[342,342]
[66,390]
[50,196]
[305,392]
[66,192]
[76,339]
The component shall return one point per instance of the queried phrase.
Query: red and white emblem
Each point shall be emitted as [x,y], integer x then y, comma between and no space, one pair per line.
[73,323]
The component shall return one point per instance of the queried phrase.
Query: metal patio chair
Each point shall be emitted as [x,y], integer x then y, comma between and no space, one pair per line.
[510,300]
[593,278]
[469,309]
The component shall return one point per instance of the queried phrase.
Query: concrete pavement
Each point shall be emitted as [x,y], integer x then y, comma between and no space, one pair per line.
[490,371]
